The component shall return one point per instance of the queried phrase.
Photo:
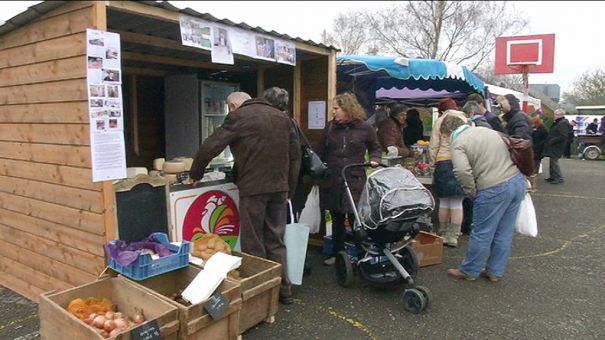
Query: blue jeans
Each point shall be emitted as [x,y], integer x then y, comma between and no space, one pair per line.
[494,215]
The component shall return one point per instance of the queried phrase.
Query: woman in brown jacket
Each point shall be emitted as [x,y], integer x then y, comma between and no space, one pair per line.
[390,131]
[345,141]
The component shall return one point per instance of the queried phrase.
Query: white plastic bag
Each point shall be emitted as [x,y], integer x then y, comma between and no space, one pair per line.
[540,169]
[311,214]
[526,218]
[296,239]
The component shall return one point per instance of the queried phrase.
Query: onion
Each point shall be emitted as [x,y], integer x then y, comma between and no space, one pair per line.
[109,325]
[114,332]
[139,319]
[104,334]
[109,315]
[117,315]
[121,323]
[99,321]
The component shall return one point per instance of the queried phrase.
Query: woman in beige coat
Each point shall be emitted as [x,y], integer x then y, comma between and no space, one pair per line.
[446,187]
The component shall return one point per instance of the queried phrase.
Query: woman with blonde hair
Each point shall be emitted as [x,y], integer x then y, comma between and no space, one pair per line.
[345,141]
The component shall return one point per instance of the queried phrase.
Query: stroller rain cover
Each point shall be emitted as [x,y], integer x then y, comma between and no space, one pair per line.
[393,193]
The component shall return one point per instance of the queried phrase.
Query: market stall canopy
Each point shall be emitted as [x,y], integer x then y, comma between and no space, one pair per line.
[495,91]
[368,74]
[415,97]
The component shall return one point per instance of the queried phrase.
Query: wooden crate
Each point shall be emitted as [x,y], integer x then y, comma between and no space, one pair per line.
[260,281]
[195,322]
[57,323]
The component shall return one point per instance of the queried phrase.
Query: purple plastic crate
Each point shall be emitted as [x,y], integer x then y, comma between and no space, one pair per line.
[144,267]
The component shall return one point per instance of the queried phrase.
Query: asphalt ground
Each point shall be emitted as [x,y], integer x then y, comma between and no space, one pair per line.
[554,287]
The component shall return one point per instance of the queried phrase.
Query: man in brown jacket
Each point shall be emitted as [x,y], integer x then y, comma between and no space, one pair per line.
[267,162]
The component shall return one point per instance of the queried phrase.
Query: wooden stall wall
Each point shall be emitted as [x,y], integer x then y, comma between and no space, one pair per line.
[313,87]
[52,222]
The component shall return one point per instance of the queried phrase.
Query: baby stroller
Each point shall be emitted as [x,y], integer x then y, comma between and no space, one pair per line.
[392,208]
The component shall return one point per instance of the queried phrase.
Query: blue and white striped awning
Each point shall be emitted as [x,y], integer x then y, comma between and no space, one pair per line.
[401,72]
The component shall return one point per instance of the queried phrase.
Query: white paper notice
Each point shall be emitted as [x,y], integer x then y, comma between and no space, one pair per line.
[317,115]
[222,52]
[214,272]
[104,83]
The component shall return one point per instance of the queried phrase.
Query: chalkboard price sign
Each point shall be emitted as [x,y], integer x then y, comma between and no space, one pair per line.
[147,331]
[217,305]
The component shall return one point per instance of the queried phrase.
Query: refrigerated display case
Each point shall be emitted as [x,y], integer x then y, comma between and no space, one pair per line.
[214,110]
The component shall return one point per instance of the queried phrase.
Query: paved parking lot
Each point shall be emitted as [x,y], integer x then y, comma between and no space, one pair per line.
[554,288]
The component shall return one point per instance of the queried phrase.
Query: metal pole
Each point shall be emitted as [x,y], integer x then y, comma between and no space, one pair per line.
[525,88]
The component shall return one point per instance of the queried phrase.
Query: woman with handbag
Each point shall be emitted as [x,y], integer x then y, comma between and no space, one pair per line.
[345,141]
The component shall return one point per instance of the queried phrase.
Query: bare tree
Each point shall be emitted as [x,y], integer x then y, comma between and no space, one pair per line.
[509,81]
[462,32]
[588,89]
[349,33]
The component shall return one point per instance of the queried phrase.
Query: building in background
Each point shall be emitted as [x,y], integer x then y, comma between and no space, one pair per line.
[552,91]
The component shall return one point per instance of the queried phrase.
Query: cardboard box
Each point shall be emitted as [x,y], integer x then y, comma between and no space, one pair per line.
[57,323]
[195,322]
[428,248]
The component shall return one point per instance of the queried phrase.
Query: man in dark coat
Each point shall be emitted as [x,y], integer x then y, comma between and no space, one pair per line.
[267,161]
[517,121]
[555,145]
[490,117]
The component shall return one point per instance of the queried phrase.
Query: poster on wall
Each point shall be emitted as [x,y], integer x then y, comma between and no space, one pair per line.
[104,84]
[317,115]
[222,52]
[243,42]
[265,47]
[285,52]
[195,32]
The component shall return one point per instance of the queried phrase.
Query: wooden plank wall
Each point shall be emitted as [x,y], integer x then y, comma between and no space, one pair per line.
[313,87]
[52,221]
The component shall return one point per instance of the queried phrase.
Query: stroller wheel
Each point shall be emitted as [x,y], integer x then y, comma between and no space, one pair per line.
[409,261]
[427,295]
[344,269]
[414,301]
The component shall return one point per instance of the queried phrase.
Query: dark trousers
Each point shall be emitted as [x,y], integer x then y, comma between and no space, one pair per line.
[338,230]
[555,169]
[262,228]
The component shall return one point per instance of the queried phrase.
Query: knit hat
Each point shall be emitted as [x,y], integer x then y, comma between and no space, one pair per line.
[447,104]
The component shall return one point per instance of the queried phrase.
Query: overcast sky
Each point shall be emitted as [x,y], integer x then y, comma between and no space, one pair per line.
[577,26]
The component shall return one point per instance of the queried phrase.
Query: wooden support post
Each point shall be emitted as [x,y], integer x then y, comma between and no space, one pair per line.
[297,105]
[331,83]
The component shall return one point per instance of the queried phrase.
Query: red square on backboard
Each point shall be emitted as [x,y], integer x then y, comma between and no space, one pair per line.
[535,53]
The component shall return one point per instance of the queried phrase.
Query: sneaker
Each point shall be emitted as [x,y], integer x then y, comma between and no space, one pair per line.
[491,277]
[458,274]
[548,179]
[330,261]
[557,181]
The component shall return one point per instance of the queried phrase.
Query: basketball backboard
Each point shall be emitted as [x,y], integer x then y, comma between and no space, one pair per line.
[528,53]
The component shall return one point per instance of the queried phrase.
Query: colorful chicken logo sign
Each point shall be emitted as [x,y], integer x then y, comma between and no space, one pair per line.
[212,212]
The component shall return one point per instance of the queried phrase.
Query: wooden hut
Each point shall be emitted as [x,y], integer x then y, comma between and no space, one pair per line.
[54,219]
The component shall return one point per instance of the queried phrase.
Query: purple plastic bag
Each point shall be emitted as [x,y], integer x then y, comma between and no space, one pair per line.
[126,253]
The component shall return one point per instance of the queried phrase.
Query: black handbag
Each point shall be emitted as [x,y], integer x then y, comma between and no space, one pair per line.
[311,164]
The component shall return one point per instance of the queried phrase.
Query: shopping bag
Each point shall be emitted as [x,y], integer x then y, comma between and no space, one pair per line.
[296,238]
[540,169]
[311,213]
[526,218]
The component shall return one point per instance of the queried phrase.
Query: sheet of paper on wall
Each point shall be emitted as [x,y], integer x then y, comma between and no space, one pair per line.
[222,50]
[195,32]
[214,272]
[317,115]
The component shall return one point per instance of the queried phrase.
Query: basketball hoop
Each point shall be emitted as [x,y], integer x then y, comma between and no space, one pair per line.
[524,55]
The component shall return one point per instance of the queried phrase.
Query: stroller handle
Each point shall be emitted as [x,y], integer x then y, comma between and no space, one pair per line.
[358,165]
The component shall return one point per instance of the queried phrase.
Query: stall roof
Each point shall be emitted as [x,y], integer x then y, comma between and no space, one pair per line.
[402,72]
[501,91]
[36,11]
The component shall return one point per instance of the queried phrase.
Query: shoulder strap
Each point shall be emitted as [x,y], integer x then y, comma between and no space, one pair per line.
[300,132]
